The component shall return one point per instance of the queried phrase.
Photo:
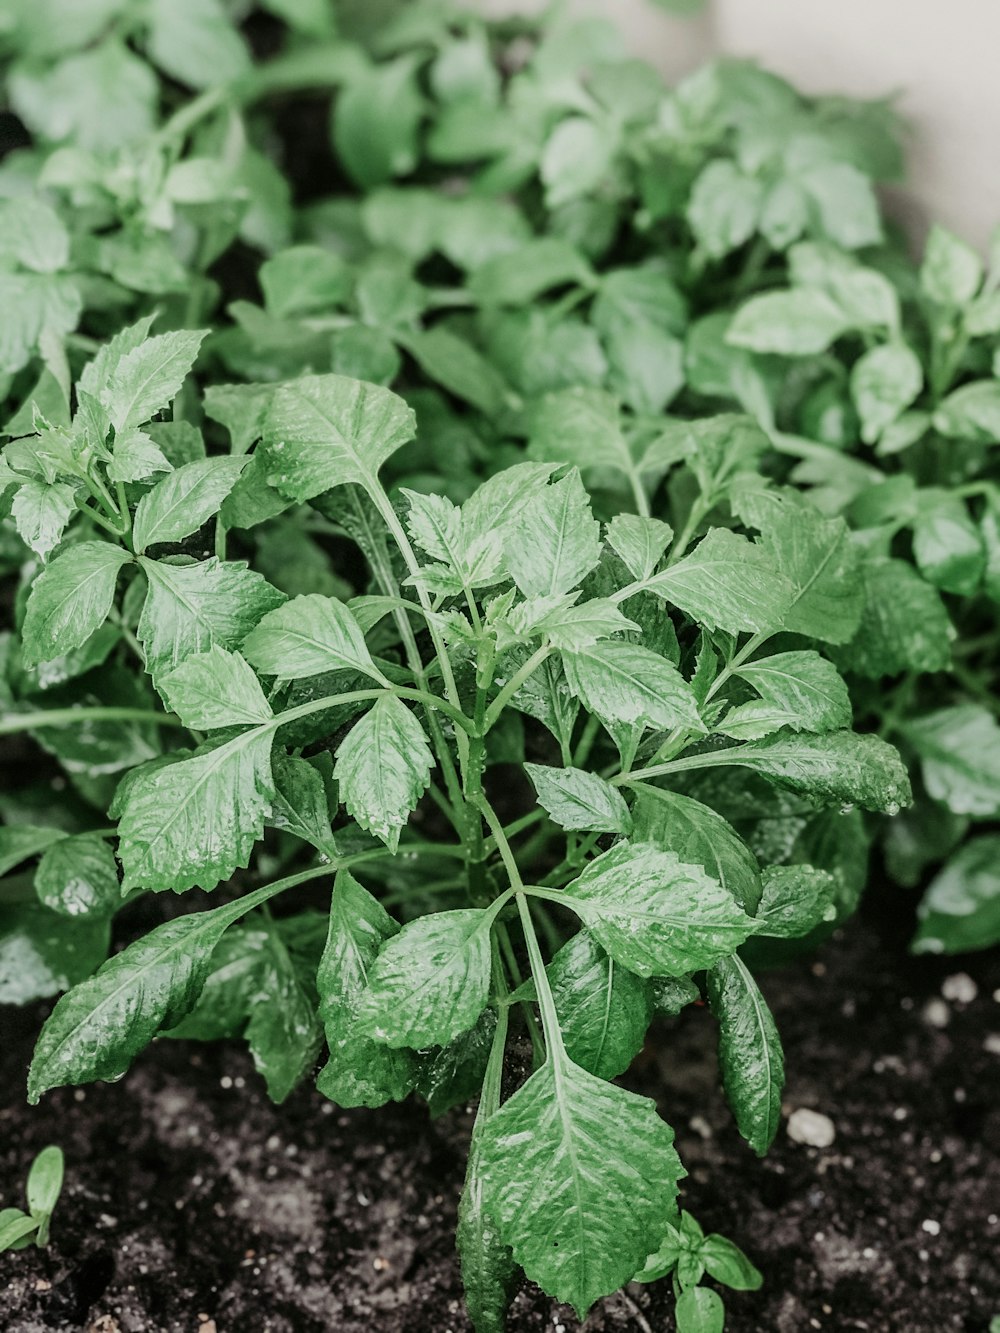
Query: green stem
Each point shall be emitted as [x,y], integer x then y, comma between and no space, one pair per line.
[11,723]
[514,684]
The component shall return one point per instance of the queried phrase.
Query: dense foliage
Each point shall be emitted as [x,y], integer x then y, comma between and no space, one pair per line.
[449,467]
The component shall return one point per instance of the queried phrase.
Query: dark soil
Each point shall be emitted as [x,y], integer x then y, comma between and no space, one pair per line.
[190,1199]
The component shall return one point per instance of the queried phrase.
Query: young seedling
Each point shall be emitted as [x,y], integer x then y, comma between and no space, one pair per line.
[45,1181]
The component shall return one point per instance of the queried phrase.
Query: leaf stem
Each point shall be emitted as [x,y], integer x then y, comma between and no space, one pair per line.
[514,684]
[10,723]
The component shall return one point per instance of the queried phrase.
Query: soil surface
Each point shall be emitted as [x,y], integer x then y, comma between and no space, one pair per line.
[194,1206]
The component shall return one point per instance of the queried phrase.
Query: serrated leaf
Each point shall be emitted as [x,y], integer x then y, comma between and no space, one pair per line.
[308,636]
[750,1054]
[654,914]
[383,767]
[430,982]
[215,689]
[639,542]
[360,1071]
[576,799]
[579,1175]
[727,583]
[192,823]
[959,752]
[70,599]
[724,207]
[77,876]
[626,683]
[98,1028]
[300,802]
[222,1007]
[184,500]
[148,377]
[799,690]
[817,557]
[190,608]
[326,430]
[603,1008]
[699,836]
[136,458]
[904,624]
[283,1030]
[947,544]
[841,768]
[41,512]
[580,425]
[450,1075]
[796,898]
[961,908]
[554,541]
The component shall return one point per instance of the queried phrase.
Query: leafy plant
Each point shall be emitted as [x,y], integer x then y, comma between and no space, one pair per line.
[507,527]
[44,1185]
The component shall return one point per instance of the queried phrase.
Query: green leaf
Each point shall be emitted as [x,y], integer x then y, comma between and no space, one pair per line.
[623,682]
[20,842]
[195,42]
[698,836]
[16,1229]
[32,234]
[241,408]
[724,208]
[233,979]
[959,752]
[818,558]
[376,120]
[727,583]
[456,365]
[304,280]
[35,304]
[640,315]
[699,1310]
[570,628]
[796,899]
[448,1076]
[430,982]
[728,1264]
[136,458]
[360,1071]
[841,768]
[580,425]
[750,1055]
[77,876]
[192,823]
[576,799]
[301,805]
[191,608]
[42,952]
[283,1032]
[70,599]
[184,500]
[845,201]
[801,322]
[326,430]
[215,689]
[554,541]
[884,382]
[947,545]
[45,1180]
[306,637]
[383,767]
[98,1028]
[579,1175]
[576,159]
[148,377]
[961,908]
[971,412]
[639,542]
[41,512]
[904,625]
[952,270]
[603,1008]
[488,1268]
[518,277]
[800,690]
[654,914]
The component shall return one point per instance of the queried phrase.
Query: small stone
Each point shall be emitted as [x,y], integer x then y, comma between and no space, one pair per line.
[43,1284]
[811,1128]
[701,1126]
[931,1227]
[959,988]
[991,1043]
[936,1013]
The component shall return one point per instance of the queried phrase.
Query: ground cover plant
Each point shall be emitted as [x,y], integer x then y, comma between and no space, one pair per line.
[526,505]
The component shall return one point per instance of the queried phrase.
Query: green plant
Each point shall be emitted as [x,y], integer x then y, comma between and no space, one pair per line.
[44,1185]
[502,516]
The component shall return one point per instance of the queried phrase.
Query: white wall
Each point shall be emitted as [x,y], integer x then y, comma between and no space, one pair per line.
[942,55]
